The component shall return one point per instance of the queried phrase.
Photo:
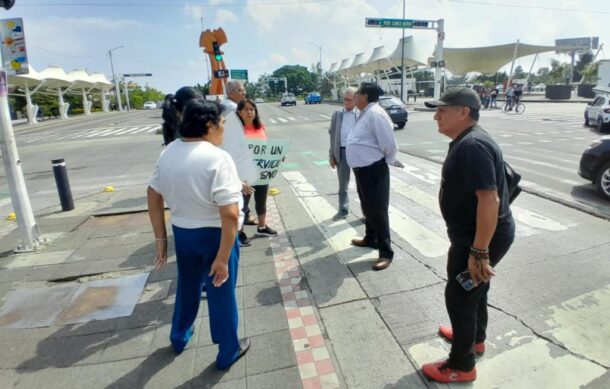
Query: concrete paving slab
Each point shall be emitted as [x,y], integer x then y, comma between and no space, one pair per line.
[268,353]
[36,259]
[164,369]
[128,344]
[116,374]
[265,319]
[8,378]
[366,352]
[76,350]
[49,378]
[264,293]
[284,378]
[205,372]
[154,291]
[258,273]
[103,299]
[534,364]
[38,307]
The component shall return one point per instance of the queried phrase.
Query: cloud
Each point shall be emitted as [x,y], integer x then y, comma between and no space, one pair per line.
[223,16]
[194,11]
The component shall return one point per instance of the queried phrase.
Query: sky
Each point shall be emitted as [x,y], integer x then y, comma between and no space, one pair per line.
[162,36]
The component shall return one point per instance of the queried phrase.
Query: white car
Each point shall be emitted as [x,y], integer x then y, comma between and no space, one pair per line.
[150,105]
[598,113]
[288,99]
[259,101]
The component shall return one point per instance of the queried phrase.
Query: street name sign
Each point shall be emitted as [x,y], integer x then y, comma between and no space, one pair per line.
[396,23]
[576,44]
[239,74]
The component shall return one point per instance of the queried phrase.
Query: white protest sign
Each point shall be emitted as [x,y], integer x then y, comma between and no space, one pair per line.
[268,157]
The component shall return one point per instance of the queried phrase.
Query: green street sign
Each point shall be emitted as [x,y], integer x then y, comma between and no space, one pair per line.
[239,74]
[396,23]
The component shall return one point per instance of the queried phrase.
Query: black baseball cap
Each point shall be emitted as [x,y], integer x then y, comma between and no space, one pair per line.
[462,97]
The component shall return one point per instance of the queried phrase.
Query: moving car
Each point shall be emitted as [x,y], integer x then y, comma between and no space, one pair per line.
[396,109]
[598,113]
[595,165]
[259,100]
[150,105]
[313,98]
[288,99]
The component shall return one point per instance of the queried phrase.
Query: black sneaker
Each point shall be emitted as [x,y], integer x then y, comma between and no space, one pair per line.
[266,231]
[244,241]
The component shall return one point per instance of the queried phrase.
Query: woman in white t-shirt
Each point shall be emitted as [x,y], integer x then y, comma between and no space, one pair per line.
[199,182]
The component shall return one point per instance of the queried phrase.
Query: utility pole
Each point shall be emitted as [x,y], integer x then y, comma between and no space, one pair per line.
[402,56]
[117,91]
[28,229]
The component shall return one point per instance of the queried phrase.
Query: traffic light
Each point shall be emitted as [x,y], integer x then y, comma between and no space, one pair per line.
[7,4]
[217,52]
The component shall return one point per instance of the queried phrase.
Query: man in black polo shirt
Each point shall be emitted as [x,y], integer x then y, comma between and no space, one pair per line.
[474,202]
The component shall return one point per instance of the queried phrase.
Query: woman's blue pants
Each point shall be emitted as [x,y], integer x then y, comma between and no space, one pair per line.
[196,250]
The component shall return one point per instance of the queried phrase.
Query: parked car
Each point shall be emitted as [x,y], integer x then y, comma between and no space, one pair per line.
[150,105]
[598,113]
[259,100]
[288,99]
[396,109]
[313,98]
[595,165]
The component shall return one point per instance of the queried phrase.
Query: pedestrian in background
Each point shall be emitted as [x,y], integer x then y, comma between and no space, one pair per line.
[370,147]
[199,183]
[255,129]
[474,203]
[494,96]
[173,105]
[235,144]
[341,124]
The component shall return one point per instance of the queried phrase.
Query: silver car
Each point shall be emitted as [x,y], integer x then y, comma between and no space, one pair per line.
[597,113]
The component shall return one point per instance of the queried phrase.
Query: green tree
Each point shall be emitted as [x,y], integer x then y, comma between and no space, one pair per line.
[584,60]
[519,73]
[559,73]
[298,78]
[589,73]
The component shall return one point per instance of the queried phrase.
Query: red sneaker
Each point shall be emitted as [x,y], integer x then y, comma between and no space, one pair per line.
[440,372]
[447,333]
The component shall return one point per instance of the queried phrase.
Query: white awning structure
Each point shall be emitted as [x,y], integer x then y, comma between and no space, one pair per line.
[55,78]
[333,68]
[487,60]
[459,61]
[356,67]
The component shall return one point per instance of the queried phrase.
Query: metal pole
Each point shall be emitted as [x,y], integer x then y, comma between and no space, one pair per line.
[117,91]
[127,94]
[512,66]
[527,79]
[440,29]
[402,55]
[28,229]
[573,55]
[63,184]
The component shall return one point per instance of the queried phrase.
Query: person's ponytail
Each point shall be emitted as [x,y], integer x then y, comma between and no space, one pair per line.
[171,119]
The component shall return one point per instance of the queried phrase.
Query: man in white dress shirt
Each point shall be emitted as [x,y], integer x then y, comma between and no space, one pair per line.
[371,147]
[341,124]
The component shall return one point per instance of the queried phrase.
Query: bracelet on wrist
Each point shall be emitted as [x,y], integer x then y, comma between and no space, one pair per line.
[479,254]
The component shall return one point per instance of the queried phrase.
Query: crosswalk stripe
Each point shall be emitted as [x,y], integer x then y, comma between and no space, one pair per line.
[142,129]
[126,130]
[272,121]
[291,118]
[114,131]
[42,137]
[98,133]
[325,116]
[303,118]
[154,129]
[282,120]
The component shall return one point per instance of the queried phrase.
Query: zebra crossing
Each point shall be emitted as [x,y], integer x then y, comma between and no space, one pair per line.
[278,120]
[96,133]
[559,120]
[414,214]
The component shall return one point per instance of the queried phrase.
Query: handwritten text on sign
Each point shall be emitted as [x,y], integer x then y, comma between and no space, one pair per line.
[268,157]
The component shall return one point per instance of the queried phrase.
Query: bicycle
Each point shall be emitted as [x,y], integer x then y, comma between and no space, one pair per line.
[518,107]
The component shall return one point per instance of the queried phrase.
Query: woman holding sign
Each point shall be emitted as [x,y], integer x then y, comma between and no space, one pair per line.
[255,129]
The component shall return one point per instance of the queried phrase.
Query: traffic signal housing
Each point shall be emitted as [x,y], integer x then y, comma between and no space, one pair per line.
[7,4]
[217,52]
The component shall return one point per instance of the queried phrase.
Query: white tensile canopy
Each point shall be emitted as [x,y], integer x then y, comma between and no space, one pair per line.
[488,60]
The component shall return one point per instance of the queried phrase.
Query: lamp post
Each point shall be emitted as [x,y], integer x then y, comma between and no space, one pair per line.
[116,80]
[320,48]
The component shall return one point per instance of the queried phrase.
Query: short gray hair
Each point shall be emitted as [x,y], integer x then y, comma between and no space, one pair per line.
[233,85]
[350,89]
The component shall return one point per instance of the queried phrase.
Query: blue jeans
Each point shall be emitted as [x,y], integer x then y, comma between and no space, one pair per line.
[343,173]
[196,250]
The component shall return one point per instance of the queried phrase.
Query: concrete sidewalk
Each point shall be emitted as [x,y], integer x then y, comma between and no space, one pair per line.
[58,324]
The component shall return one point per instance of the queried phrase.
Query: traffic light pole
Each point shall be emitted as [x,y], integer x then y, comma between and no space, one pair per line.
[28,229]
[440,37]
